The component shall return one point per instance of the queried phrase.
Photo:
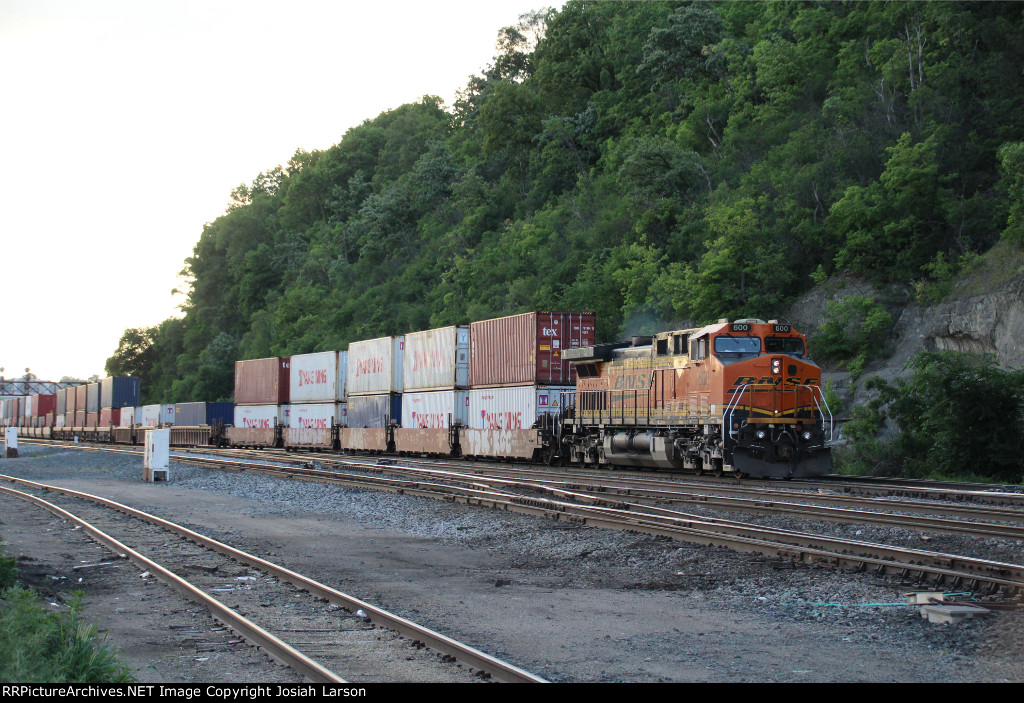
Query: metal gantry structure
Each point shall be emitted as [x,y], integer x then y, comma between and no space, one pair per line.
[21,387]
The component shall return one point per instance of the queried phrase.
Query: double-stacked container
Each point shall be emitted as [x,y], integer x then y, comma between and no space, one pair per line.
[319,391]
[518,377]
[44,407]
[117,393]
[62,408]
[81,396]
[375,387]
[262,393]
[435,376]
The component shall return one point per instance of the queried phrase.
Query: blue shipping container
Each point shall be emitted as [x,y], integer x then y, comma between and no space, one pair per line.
[221,413]
[119,392]
[374,410]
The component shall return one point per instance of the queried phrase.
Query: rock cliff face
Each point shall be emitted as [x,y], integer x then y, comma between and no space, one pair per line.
[990,323]
[983,324]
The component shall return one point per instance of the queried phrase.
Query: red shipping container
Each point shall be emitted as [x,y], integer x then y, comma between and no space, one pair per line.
[110,418]
[263,381]
[527,349]
[43,404]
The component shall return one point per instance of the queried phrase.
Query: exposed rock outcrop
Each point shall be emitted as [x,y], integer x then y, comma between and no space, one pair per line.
[989,323]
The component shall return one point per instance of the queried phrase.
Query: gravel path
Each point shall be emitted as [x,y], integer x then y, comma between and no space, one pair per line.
[574,603]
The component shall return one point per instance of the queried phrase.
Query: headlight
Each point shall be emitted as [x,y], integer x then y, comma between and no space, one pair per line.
[761,434]
[807,436]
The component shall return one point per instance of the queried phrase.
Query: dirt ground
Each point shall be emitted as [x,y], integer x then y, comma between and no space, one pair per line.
[617,607]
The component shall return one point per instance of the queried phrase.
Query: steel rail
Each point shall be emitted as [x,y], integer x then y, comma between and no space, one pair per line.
[850,485]
[669,523]
[661,522]
[250,631]
[481,661]
[761,504]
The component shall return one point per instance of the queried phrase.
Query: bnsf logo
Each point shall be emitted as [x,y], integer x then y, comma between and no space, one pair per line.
[369,366]
[312,378]
[774,381]
[632,381]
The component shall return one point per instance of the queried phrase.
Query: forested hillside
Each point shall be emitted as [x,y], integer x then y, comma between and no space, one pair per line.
[657,163]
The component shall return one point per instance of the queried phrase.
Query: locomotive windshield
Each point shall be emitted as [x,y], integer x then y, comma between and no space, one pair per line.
[737,345]
[793,346]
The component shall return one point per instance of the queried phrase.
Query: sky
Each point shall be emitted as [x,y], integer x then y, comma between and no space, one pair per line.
[124,126]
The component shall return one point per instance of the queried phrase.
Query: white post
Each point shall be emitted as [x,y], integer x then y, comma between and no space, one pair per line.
[11,443]
[158,455]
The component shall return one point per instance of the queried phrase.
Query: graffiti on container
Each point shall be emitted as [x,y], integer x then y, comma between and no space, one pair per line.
[510,443]
[308,436]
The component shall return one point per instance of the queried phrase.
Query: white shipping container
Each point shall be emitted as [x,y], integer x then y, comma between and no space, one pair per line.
[58,421]
[437,359]
[261,416]
[314,378]
[375,366]
[513,408]
[27,405]
[342,376]
[127,417]
[166,414]
[313,416]
[150,416]
[437,409]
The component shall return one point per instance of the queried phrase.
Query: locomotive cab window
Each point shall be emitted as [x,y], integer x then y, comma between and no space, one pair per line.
[662,347]
[737,345]
[793,346]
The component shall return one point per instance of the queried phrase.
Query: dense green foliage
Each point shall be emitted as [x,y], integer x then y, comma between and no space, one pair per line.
[659,163]
[853,332]
[957,415]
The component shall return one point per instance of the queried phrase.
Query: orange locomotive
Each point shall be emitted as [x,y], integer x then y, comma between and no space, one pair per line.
[739,398]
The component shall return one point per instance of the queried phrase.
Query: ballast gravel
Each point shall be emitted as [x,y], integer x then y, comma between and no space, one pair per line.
[574,603]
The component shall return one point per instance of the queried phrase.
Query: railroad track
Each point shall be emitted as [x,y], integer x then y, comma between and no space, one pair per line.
[350,636]
[961,572]
[595,506]
[739,497]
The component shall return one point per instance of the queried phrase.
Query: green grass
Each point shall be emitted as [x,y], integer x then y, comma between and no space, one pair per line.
[40,646]
[1002,263]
